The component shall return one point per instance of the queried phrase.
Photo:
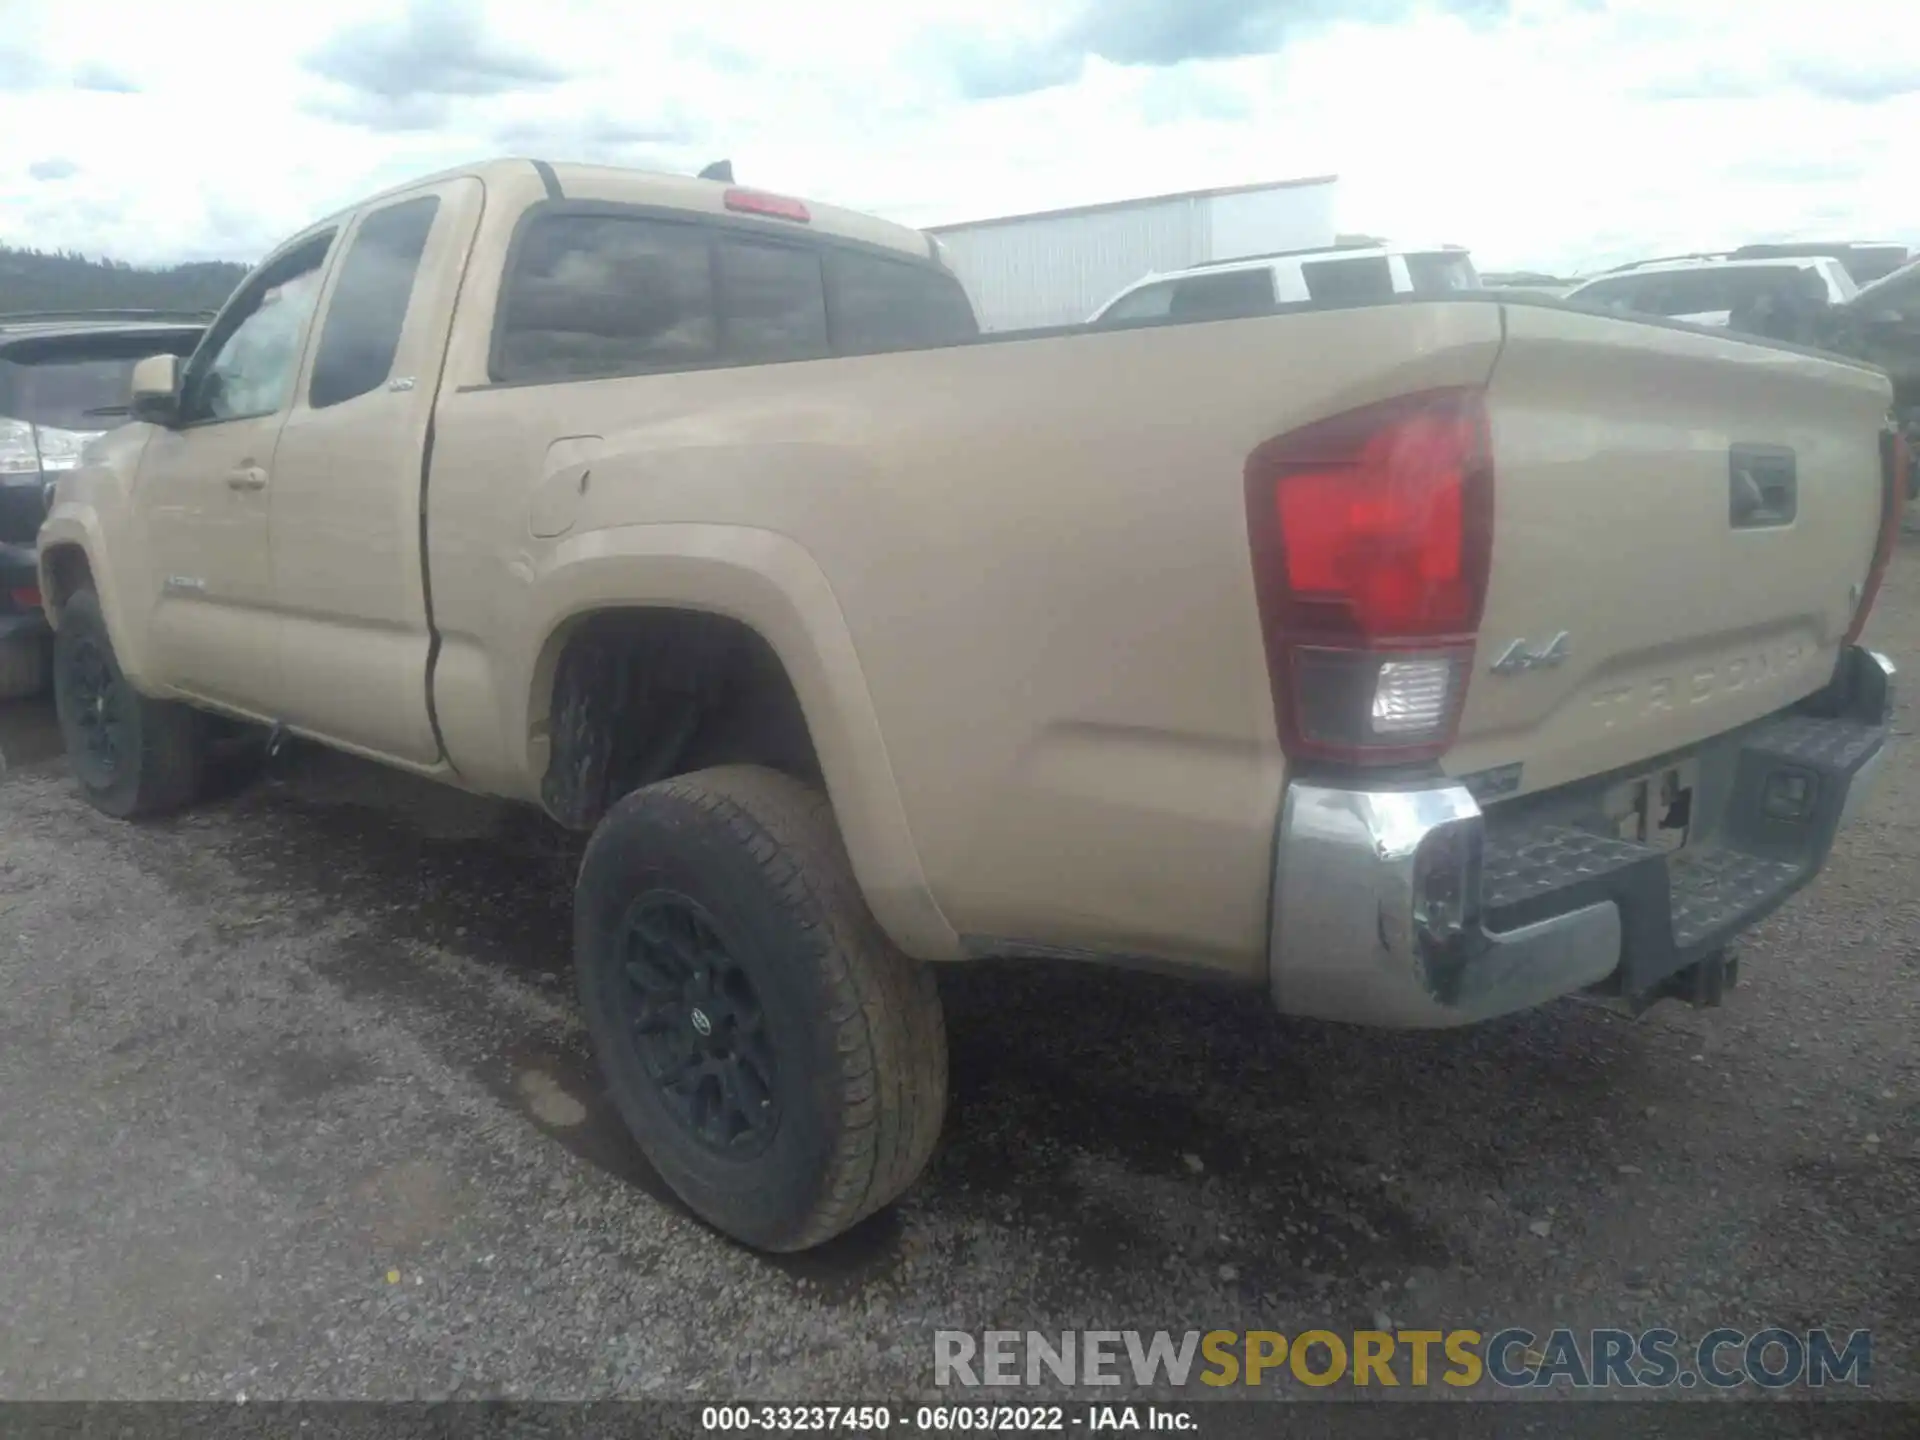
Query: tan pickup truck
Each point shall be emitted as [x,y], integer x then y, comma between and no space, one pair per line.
[1411,662]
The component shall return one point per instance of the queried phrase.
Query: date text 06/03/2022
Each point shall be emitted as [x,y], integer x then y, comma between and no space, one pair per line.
[944,1419]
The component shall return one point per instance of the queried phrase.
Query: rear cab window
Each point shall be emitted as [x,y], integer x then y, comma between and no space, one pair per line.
[591,294]
[772,302]
[881,305]
[598,295]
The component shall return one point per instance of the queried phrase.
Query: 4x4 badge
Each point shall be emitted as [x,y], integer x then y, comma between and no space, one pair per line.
[1519,656]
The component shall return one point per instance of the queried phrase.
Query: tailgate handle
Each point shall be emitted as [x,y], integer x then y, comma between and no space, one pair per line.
[1762,488]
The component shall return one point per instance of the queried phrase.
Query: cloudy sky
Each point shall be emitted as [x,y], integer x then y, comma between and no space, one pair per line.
[1558,134]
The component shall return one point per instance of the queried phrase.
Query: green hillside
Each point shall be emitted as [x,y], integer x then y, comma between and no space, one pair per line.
[38,280]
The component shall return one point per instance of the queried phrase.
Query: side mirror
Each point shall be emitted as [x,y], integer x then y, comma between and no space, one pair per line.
[156,390]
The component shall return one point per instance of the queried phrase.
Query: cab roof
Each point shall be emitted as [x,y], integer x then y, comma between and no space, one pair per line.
[524,181]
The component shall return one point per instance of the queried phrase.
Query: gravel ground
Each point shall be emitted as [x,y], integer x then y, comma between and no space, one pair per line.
[296,1104]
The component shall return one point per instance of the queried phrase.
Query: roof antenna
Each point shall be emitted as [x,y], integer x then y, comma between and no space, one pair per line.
[719,170]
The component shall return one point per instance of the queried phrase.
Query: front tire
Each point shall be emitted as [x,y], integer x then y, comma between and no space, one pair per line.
[780,1062]
[133,757]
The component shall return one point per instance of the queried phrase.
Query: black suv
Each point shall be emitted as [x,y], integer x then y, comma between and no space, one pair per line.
[63,380]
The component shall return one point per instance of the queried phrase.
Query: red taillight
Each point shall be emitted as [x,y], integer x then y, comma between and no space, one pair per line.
[27,597]
[1894,463]
[780,207]
[1371,538]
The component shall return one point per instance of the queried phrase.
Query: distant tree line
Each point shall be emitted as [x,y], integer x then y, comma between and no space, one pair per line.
[67,280]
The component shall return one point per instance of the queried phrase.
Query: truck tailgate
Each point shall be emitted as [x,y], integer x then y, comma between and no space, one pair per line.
[1682,526]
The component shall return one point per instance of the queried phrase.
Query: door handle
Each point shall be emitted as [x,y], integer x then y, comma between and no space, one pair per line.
[247,477]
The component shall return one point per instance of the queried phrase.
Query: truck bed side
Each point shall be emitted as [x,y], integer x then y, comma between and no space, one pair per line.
[1039,550]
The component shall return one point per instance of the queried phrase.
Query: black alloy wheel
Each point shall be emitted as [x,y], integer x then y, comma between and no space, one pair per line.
[782,1064]
[699,1026]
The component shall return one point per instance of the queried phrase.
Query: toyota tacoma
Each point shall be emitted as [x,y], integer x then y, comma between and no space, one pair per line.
[1409,662]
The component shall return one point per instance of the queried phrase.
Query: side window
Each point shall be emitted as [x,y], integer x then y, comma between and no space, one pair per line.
[1442,273]
[606,294]
[1224,296]
[248,363]
[369,304]
[882,305]
[1365,277]
[1149,302]
[773,302]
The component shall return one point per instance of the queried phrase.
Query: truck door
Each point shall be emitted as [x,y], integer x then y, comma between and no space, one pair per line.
[206,482]
[349,574]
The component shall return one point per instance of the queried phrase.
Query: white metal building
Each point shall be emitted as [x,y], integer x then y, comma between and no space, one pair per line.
[1057,267]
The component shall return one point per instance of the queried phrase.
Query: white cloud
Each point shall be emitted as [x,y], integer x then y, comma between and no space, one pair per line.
[1554,134]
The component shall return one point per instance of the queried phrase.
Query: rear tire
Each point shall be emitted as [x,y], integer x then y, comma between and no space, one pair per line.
[719,932]
[133,757]
[25,665]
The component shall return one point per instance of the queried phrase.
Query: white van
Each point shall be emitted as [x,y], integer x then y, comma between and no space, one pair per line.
[1351,274]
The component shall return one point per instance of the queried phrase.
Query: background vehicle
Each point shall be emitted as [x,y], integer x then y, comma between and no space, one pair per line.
[1712,291]
[1033,271]
[703,519]
[1340,275]
[1865,260]
[1884,321]
[1882,325]
[63,382]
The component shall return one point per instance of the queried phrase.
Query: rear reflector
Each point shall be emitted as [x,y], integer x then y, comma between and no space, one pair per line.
[779,207]
[1894,463]
[1371,537]
[27,597]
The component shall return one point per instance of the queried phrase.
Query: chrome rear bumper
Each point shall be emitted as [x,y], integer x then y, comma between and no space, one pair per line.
[1411,907]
